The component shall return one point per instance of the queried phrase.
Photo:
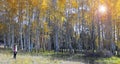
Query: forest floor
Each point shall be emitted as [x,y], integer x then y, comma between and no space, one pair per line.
[28,59]
[6,57]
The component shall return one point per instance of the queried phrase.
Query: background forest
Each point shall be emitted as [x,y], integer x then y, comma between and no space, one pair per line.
[75,25]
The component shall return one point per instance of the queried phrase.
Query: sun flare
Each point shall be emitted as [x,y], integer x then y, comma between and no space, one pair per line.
[102,9]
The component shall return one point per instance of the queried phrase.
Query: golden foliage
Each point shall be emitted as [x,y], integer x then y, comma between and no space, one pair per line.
[3,27]
[46,28]
[12,3]
[74,3]
[34,24]
[61,5]
[117,7]
[35,2]
[44,5]
[63,18]
[12,6]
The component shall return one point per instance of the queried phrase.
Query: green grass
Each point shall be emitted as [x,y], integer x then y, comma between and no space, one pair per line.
[50,57]
[112,60]
[47,57]
[26,59]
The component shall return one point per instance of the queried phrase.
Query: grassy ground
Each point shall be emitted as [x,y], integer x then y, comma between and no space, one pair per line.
[26,59]
[112,60]
[6,57]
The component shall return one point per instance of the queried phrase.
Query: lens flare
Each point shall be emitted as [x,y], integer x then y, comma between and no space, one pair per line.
[102,9]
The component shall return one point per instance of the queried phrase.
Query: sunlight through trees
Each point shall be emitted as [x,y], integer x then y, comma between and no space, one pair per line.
[60,24]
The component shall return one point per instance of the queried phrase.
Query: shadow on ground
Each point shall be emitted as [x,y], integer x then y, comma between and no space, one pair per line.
[74,57]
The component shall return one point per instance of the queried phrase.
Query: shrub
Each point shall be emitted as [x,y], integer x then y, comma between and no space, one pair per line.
[102,53]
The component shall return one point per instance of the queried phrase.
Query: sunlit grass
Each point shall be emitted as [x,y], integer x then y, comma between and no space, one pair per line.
[26,59]
[41,58]
[50,57]
[112,60]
